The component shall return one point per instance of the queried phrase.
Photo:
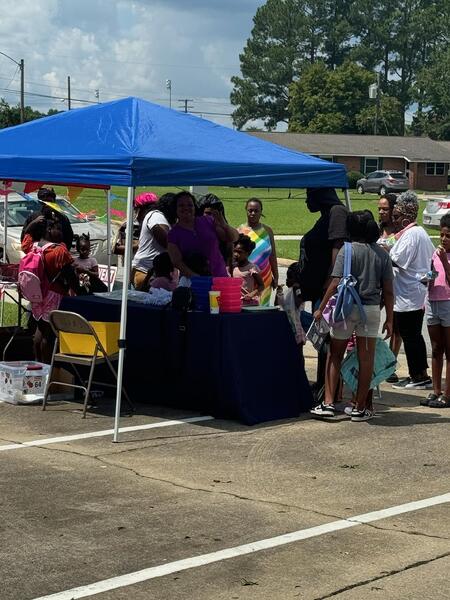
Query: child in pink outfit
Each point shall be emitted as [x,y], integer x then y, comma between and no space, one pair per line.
[438,319]
[252,282]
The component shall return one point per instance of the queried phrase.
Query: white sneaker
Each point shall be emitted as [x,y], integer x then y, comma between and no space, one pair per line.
[423,384]
[323,410]
[362,415]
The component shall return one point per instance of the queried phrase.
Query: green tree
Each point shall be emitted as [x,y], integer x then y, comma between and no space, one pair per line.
[286,35]
[325,101]
[433,90]
[397,38]
[389,122]
[337,31]
[10,115]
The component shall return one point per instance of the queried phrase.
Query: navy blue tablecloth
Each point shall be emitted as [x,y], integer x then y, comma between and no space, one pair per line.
[242,366]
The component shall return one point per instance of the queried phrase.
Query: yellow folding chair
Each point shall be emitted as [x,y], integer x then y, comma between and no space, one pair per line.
[70,322]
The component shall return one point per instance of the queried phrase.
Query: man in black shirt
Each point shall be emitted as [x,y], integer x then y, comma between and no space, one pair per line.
[48,195]
[320,245]
[319,248]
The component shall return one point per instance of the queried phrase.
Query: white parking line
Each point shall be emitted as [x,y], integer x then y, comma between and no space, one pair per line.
[213,557]
[102,433]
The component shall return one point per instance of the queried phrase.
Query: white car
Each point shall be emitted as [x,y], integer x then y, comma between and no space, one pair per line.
[20,208]
[436,207]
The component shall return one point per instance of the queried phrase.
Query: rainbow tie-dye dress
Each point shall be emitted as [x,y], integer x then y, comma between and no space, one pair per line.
[261,257]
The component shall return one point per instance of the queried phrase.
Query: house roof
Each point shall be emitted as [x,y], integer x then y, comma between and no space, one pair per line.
[413,149]
[445,144]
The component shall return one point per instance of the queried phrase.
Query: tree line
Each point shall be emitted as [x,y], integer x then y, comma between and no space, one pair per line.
[10,115]
[309,64]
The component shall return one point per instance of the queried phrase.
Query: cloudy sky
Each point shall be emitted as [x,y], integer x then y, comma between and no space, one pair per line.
[125,47]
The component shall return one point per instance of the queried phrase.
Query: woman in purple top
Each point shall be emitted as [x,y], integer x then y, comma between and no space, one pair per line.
[198,235]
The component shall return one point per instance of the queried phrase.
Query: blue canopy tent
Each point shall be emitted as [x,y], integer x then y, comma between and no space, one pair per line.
[131,142]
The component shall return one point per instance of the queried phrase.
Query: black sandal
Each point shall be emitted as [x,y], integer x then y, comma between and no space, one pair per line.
[430,398]
[441,402]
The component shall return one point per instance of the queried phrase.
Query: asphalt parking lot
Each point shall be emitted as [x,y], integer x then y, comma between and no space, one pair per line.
[212,509]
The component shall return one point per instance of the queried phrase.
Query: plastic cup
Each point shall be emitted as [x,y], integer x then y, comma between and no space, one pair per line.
[214,299]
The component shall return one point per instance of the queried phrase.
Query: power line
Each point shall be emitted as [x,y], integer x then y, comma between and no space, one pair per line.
[185,102]
[17,69]
[105,92]
[203,112]
[48,96]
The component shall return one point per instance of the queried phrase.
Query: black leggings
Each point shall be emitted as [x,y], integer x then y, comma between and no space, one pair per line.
[410,329]
[43,340]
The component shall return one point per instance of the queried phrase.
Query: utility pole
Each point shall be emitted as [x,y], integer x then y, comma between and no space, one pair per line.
[169,87]
[68,93]
[22,90]
[185,101]
[377,114]
[21,66]
[375,94]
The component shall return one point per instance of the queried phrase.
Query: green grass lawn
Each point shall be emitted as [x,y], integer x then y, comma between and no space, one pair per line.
[285,210]
[10,314]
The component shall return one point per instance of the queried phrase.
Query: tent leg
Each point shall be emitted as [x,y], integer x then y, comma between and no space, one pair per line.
[123,312]
[108,235]
[348,202]
[5,225]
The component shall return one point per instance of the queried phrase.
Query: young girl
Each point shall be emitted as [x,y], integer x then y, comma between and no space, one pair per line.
[372,269]
[252,282]
[438,320]
[162,271]
[86,266]
[59,273]
[291,302]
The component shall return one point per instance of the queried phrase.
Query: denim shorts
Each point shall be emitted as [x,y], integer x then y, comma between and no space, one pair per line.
[438,312]
[355,324]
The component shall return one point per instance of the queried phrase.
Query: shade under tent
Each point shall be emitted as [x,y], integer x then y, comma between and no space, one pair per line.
[132,142]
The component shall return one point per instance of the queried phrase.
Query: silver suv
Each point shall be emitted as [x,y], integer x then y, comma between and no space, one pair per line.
[19,208]
[382,182]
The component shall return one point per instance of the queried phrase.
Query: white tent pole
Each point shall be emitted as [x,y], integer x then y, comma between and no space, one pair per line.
[348,202]
[108,234]
[123,312]
[5,245]
[5,225]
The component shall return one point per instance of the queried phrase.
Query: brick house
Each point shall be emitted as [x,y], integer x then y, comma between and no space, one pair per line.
[424,160]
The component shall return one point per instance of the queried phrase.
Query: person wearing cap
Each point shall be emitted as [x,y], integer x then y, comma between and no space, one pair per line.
[155,219]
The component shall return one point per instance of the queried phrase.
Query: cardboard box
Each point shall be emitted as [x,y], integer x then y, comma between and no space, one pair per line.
[84,345]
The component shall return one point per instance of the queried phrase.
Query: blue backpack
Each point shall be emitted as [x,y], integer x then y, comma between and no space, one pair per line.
[347,297]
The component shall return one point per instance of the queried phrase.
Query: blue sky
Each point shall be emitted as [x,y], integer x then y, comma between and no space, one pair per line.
[125,47]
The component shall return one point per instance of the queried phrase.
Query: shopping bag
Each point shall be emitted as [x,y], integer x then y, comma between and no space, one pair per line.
[384,365]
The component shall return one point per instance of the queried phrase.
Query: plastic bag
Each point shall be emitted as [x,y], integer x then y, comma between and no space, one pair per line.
[384,365]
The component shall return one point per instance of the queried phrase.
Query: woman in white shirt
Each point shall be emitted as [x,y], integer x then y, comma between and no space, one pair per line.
[152,239]
[411,259]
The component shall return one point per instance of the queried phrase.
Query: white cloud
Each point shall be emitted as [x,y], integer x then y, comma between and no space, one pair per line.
[125,47]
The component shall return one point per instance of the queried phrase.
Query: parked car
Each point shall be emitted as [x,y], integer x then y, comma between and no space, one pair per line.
[435,208]
[20,207]
[382,182]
